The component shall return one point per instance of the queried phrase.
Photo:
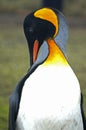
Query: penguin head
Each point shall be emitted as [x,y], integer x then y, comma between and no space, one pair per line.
[41,25]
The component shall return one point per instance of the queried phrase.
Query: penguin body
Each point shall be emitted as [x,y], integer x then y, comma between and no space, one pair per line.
[49,96]
[50,106]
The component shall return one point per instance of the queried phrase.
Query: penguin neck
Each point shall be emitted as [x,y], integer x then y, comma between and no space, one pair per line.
[55,56]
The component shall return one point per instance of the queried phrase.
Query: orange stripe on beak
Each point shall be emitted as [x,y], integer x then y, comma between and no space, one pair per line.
[35,50]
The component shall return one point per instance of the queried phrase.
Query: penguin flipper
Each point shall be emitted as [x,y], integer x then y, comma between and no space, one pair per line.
[13,110]
[82,112]
[14,101]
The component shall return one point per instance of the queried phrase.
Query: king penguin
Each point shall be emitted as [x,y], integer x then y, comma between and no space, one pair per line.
[49,95]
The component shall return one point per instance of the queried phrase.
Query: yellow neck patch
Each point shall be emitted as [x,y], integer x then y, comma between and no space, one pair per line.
[49,15]
[55,55]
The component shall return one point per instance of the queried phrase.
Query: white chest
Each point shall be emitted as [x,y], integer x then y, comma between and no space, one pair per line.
[50,100]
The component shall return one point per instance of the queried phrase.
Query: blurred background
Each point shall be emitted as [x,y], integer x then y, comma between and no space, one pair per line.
[14,57]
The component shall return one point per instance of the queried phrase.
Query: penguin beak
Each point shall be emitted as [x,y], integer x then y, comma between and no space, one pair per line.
[35,50]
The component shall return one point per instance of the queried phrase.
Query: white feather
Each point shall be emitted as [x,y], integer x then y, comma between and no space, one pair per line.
[50,100]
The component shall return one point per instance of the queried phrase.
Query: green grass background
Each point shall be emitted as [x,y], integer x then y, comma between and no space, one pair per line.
[70,7]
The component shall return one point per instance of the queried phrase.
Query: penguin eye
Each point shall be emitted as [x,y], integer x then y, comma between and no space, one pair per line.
[31,30]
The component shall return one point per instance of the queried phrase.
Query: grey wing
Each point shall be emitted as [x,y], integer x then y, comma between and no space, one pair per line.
[82,111]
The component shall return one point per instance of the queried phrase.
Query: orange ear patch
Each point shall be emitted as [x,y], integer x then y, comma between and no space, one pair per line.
[49,15]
